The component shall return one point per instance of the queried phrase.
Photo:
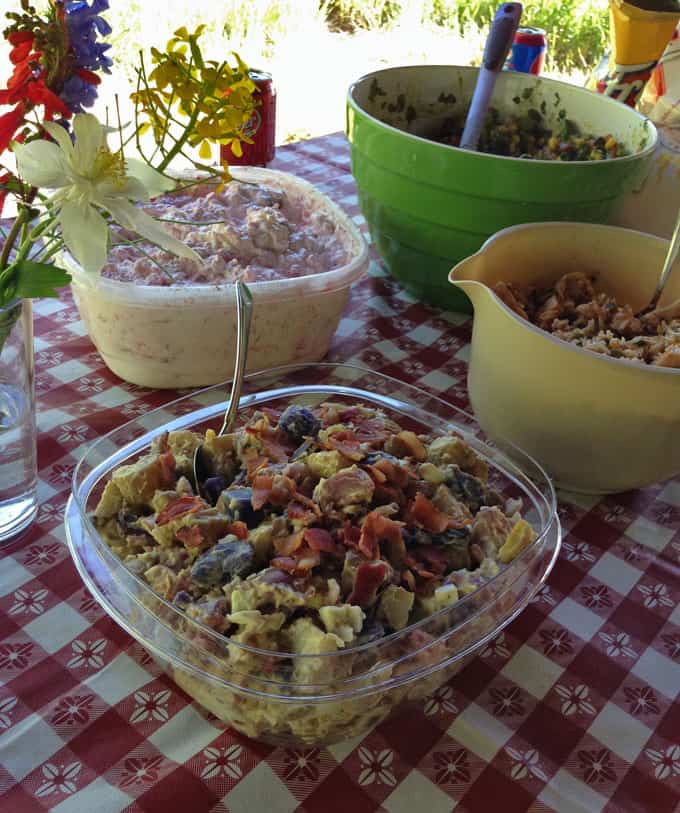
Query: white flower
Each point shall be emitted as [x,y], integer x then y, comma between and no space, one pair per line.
[222,761]
[6,706]
[525,764]
[89,177]
[87,654]
[618,645]
[59,779]
[667,763]
[575,699]
[655,595]
[150,705]
[376,767]
[25,602]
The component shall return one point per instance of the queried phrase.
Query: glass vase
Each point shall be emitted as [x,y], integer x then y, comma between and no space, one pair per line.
[18,466]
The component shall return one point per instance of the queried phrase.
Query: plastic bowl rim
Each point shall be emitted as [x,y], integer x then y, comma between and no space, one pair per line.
[382,685]
[619,363]
[342,277]
[647,123]
[550,503]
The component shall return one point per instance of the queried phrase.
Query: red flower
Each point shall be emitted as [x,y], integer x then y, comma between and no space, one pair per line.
[597,766]
[508,702]
[38,93]
[88,76]
[596,596]
[642,701]
[9,124]
[302,764]
[451,766]
[15,656]
[3,191]
[140,769]
[73,709]
[21,51]
[672,644]
[17,37]
[556,641]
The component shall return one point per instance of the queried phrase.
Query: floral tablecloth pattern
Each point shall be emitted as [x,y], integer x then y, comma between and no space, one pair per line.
[574,708]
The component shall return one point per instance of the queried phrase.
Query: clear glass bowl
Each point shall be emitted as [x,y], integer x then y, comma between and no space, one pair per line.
[353,689]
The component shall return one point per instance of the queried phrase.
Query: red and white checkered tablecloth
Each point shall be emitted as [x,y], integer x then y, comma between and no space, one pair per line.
[574,708]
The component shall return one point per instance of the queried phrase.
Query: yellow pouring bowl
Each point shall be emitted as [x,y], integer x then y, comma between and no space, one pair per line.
[597,424]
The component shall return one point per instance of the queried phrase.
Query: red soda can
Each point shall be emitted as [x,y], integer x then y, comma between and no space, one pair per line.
[527,54]
[261,127]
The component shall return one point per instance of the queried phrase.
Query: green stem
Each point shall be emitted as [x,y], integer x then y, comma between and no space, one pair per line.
[181,141]
[14,231]
[27,244]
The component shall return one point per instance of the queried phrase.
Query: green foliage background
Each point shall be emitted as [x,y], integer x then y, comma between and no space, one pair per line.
[577,30]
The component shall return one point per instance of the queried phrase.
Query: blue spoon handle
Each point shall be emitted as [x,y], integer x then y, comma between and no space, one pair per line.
[498,44]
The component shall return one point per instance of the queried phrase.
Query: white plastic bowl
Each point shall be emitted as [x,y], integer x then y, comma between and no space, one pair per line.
[185,336]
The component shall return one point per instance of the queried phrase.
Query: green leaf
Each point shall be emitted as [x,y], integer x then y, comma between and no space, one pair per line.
[34,280]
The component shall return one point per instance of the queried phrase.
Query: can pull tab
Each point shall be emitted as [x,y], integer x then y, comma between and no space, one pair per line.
[501,35]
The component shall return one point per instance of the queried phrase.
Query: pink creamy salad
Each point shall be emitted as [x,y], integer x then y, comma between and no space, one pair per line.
[248,231]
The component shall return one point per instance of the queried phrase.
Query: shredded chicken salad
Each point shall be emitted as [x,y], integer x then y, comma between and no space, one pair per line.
[248,231]
[572,310]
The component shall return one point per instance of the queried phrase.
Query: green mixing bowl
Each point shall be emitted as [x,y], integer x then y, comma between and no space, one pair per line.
[430,205]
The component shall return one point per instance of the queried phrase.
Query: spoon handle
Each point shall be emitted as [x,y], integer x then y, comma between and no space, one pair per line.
[244,307]
[498,44]
[667,266]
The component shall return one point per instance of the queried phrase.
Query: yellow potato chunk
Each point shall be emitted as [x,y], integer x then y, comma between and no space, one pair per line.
[520,537]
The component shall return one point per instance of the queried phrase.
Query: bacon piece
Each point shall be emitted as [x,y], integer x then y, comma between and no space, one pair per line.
[307,502]
[296,510]
[308,560]
[377,528]
[423,512]
[300,564]
[285,563]
[349,414]
[190,536]
[276,451]
[238,529]
[168,465]
[320,540]
[372,430]
[351,535]
[435,557]
[273,415]
[384,495]
[368,578]
[283,490]
[396,474]
[378,476]
[277,490]
[189,504]
[287,545]
[347,443]
[262,486]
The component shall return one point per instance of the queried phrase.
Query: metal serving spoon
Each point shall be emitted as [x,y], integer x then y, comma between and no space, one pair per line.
[671,254]
[244,312]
